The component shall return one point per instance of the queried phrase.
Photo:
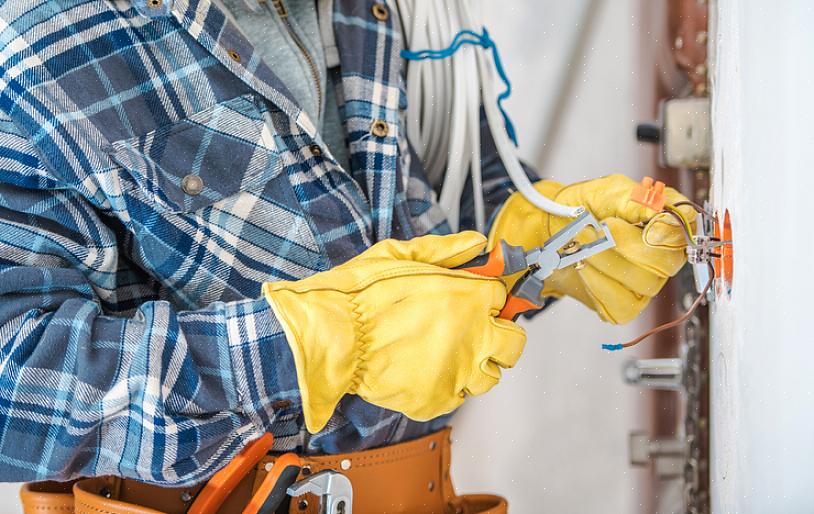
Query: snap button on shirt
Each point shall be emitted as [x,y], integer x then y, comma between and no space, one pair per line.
[192,185]
[380,11]
[379,128]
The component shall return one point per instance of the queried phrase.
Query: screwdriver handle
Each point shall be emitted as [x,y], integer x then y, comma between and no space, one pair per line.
[504,259]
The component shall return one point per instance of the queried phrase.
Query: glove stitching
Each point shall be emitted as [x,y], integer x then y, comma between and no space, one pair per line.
[364,339]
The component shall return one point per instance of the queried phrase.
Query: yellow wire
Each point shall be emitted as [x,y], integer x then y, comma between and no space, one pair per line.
[687,229]
[683,219]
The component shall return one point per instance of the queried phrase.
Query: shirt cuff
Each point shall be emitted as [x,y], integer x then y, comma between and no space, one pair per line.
[262,364]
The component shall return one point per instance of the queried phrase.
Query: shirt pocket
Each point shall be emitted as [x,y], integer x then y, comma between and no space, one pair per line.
[203,159]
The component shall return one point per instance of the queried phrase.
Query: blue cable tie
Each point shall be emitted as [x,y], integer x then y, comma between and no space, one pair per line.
[612,347]
[468,37]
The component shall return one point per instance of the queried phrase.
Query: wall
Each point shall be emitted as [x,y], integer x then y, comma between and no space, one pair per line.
[552,436]
[763,421]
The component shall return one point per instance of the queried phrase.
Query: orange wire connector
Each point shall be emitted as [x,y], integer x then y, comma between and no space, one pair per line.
[649,193]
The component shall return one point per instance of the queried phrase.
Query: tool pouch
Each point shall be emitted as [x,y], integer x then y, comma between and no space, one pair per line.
[406,478]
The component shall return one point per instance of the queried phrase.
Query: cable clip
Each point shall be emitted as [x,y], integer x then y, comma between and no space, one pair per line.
[649,193]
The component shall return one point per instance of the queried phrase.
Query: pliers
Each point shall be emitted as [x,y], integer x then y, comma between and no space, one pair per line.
[278,487]
[558,252]
[271,494]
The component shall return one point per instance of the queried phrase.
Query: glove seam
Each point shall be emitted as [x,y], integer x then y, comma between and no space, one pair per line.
[364,338]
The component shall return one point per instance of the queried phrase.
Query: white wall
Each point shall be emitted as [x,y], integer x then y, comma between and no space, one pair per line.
[762,346]
[552,436]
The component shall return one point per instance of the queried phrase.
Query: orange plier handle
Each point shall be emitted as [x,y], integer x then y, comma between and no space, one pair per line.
[503,260]
[269,495]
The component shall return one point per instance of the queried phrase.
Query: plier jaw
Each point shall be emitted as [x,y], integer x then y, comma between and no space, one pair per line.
[560,251]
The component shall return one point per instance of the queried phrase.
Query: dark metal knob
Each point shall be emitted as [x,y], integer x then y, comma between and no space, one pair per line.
[648,133]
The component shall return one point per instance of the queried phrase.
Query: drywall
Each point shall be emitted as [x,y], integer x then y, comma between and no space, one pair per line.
[762,343]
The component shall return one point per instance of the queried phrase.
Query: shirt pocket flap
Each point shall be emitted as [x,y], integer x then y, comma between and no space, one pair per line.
[200,160]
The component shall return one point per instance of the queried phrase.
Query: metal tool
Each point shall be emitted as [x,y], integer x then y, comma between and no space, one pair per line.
[333,488]
[558,252]
[210,499]
[221,485]
[272,492]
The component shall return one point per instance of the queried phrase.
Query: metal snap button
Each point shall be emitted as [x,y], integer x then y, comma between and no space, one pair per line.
[234,55]
[431,486]
[380,11]
[316,151]
[345,464]
[379,128]
[302,505]
[154,4]
[192,185]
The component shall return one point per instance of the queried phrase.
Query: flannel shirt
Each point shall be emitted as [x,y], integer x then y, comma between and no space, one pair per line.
[154,172]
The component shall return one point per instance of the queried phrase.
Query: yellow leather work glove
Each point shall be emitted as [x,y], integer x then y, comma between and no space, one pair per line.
[397,327]
[618,283]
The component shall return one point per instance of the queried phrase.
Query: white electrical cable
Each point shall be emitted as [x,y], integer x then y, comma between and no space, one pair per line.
[444,100]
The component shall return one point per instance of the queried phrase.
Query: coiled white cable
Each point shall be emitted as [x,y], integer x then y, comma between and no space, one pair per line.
[444,101]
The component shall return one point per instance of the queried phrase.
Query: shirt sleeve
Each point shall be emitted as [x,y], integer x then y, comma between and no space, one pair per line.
[88,387]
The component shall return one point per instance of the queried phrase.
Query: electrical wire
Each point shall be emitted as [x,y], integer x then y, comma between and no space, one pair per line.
[695,206]
[674,323]
[682,219]
[446,88]
[686,229]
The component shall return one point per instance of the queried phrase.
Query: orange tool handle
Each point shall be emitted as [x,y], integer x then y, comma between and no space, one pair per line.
[504,259]
[524,296]
[272,492]
[221,485]
[489,264]
[515,306]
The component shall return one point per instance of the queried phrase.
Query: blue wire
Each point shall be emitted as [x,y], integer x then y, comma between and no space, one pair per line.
[612,347]
[483,40]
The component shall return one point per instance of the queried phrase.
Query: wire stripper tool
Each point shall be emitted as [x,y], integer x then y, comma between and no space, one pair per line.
[558,252]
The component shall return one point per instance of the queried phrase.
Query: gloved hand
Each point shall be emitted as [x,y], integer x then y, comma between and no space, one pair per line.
[397,327]
[618,283]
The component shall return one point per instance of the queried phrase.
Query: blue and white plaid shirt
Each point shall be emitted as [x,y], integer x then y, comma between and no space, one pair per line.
[154,172]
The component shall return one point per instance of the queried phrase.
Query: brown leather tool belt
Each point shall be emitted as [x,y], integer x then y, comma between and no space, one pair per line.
[406,478]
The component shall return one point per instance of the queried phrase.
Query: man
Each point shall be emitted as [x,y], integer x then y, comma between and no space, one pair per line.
[190,204]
